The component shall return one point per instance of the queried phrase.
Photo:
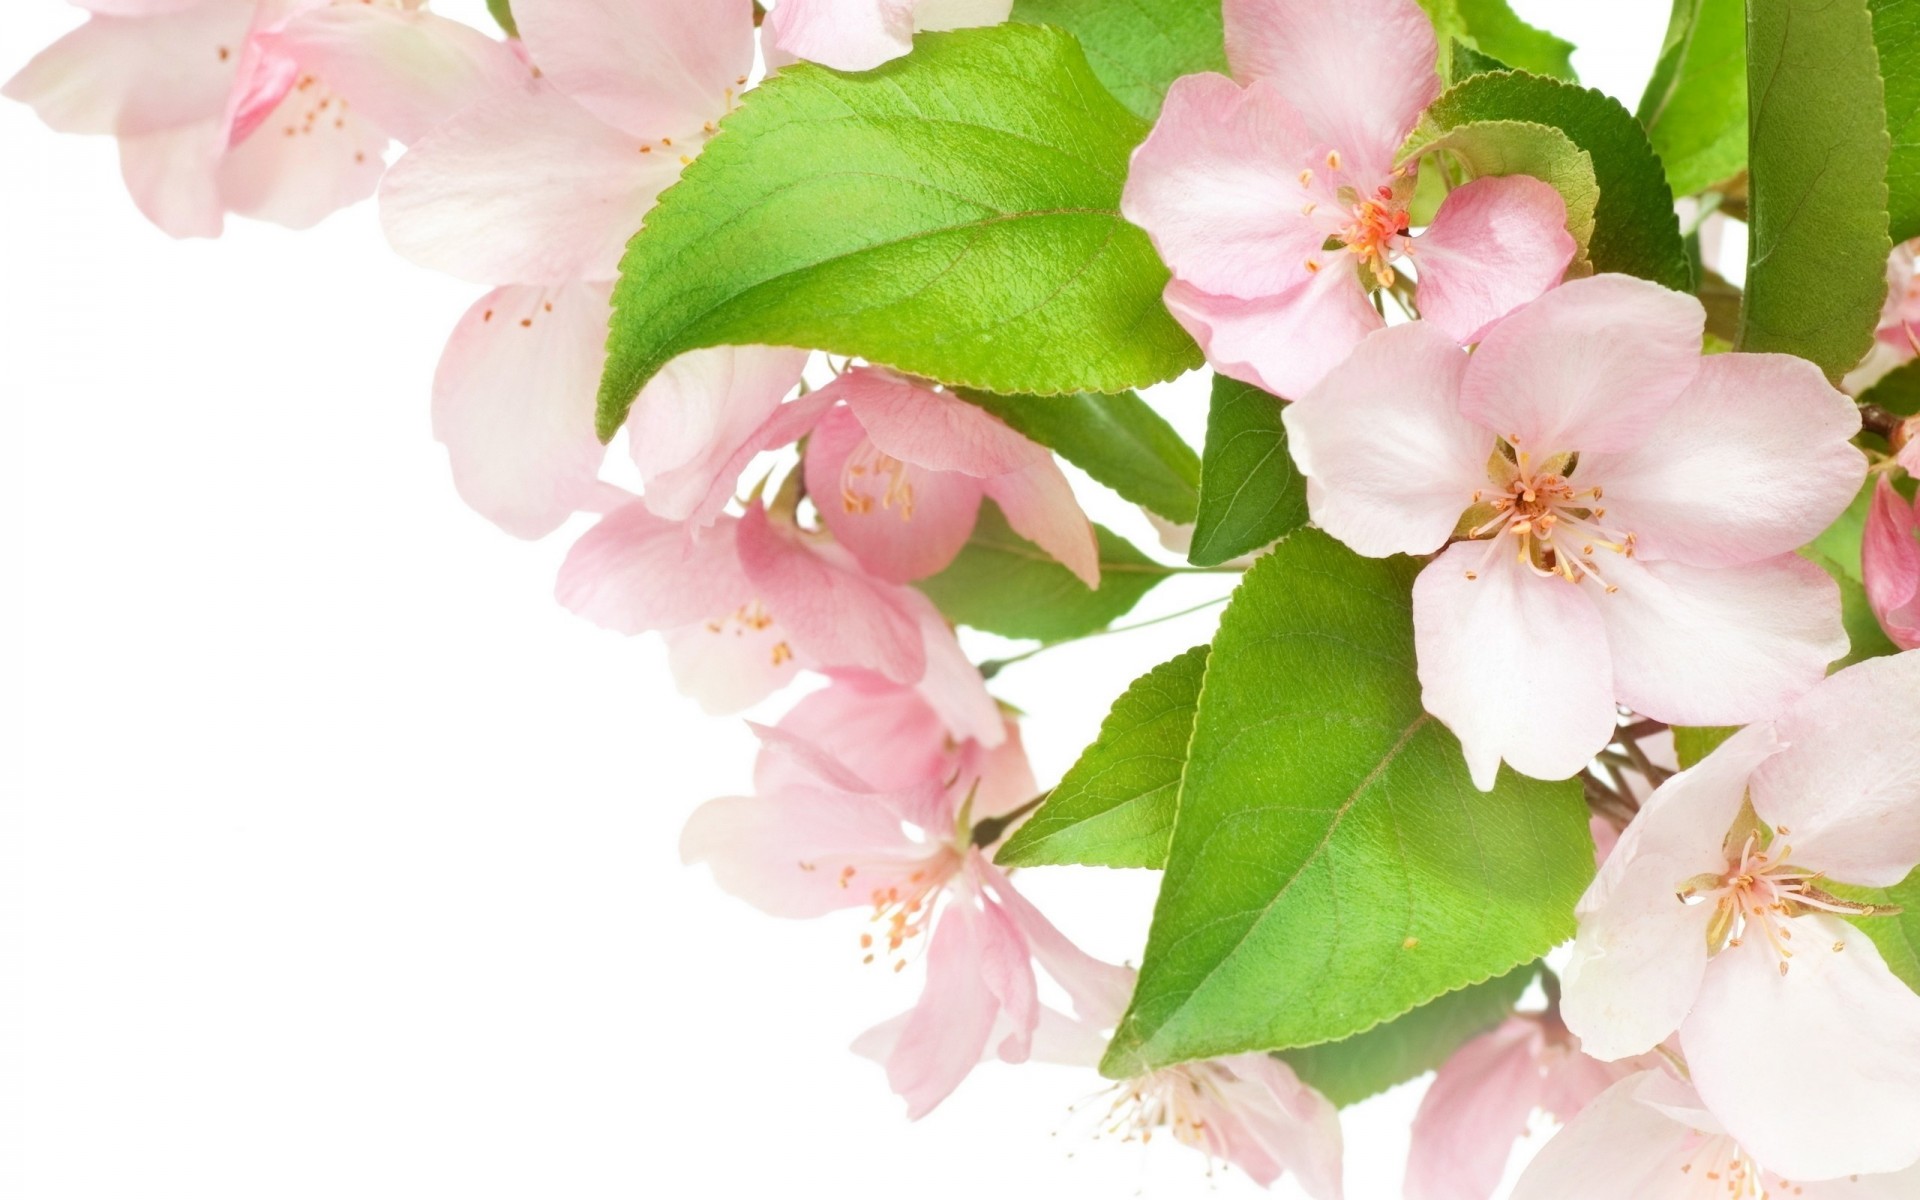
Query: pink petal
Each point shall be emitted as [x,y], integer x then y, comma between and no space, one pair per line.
[1620,1147]
[838,616]
[523,187]
[1590,366]
[652,68]
[1099,990]
[1890,563]
[692,420]
[1218,187]
[1263,1120]
[634,572]
[1495,244]
[729,666]
[1039,505]
[1816,1072]
[936,430]
[138,74]
[1718,646]
[1514,664]
[789,423]
[787,854]
[1638,958]
[847,35]
[403,71]
[884,733]
[1475,1110]
[1847,787]
[137,8]
[1284,343]
[1574,1079]
[1402,493]
[1360,71]
[1751,461]
[903,522]
[173,177]
[952,684]
[303,164]
[513,402]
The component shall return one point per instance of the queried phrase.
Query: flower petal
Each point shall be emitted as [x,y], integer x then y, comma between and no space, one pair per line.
[1382,438]
[1718,646]
[524,186]
[1099,990]
[1284,343]
[1495,244]
[690,423]
[903,522]
[138,74]
[730,666]
[1751,461]
[787,854]
[172,176]
[652,68]
[303,164]
[1360,71]
[1474,1111]
[1514,664]
[1618,1148]
[1590,366]
[885,734]
[513,402]
[936,430]
[1816,1071]
[953,685]
[847,35]
[1267,1122]
[1040,506]
[1218,187]
[1890,564]
[1637,960]
[1847,787]
[634,572]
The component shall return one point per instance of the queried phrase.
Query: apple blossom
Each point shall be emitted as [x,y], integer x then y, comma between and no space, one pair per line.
[1617,513]
[533,190]
[856,35]
[275,109]
[899,824]
[1890,564]
[1897,337]
[1275,200]
[1713,918]
[1649,1137]
[898,471]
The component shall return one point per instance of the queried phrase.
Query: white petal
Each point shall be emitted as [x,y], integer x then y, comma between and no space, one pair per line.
[138,75]
[172,177]
[1637,961]
[1618,1149]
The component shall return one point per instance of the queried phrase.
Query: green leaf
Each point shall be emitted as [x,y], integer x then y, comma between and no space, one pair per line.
[1896,33]
[1332,865]
[1695,106]
[1250,492]
[954,213]
[1523,148]
[1004,584]
[1366,1064]
[1837,552]
[1467,61]
[1817,192]
[1898,391]
[1693,743]
[1115,805]
[1494,30]
[1634,227]
[1896,934]
[502,13]
[1137,47]
[1119,440]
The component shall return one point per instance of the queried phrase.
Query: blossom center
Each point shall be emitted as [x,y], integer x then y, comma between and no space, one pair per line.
[1375,233]
[749,619]
[1759,895]
[1723,1169]
[904,910]
[1557,527]
[1175,1099]
[871,476]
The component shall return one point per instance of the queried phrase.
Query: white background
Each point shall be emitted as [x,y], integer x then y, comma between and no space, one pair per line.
[337,860]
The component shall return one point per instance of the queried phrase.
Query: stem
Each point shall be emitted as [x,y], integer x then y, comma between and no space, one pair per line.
[991,830]
[994,666]
[1884,422]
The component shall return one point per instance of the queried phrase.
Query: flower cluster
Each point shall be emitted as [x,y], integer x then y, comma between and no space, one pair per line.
[1623,524]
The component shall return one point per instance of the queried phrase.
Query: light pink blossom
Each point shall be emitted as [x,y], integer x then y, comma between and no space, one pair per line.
[534,189]
[1897,338]
[1649,1137]
[1713,917]
[1481,1099]
[1890,564]
[898,471]
[746,607]
[1245,183]
[863,801]
[276,109]
[1617,514]
[856,35]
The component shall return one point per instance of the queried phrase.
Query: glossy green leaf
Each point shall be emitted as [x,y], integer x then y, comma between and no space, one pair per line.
[1250,491]
[1004,584]
[1896,34]
[1118,440]
[1115,806]
[1466,61]
[1693,743]
[1493,29]
[1898,391]
[1896,934]
[1366,1064]
[1137,47]
[1695,106]
[1332,865]
[953,213]
[1634,227]
[1817,193]
[1865,638]
[502,13]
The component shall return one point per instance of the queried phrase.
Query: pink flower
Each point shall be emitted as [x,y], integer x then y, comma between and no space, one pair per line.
[863,801]
[1245,183]
[276,109]
[1890,562]
[1250,1110]
[749,604]
[1712,918]
[1481,1099]
[898,472]
[856,35]
[1648,1137]
[536,187]
[1618,516]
